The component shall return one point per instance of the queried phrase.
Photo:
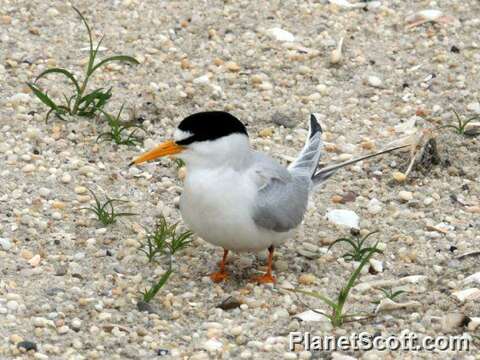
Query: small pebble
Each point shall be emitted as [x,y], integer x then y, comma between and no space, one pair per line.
[399,176]
[306,279]
[232,66]
[80,189]
[405,196]
[35,261]
[66,178]
[5,244]
[267,132]
[28,168]
[201,80]
[27,345]
[283,120]
[12,305]
[15,339]
[375,81]
[63,329]
[212,345]
[52,12]
[56,215]
[280,34]
[26,254]
[374,206]
[44,192]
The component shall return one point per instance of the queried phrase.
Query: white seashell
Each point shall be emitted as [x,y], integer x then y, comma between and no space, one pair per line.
[348,5]
[201,80]
[467,294]
[311,316]
[35,261]
[442,228]
[336,55]
[5,244]
[428,15]
[212,345]
[377,265]
[343,217]
[412,279]
[387,304]
[472,278]
[375,81]
[280,34]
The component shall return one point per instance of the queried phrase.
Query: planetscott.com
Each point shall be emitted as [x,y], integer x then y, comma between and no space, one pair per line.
[364,342]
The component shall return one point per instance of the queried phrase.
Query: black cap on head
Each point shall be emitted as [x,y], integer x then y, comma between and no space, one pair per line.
[210,125]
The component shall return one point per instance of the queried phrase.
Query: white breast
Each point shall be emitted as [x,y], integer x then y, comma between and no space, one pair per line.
[217,205]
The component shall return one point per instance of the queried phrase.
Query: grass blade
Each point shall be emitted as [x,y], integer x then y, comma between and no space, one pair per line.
[42,96]
[347,240]
[125,214]
[317,295]
[64,72]
[95,52]
[150,294]
[124,58]
[90,39]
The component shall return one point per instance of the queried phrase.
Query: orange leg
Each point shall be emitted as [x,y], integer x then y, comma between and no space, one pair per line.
[221,275]
[267,278]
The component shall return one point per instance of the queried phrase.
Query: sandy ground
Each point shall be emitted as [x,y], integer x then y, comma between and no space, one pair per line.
[78,298]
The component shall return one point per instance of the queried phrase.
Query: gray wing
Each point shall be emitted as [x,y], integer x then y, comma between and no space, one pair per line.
[281,199]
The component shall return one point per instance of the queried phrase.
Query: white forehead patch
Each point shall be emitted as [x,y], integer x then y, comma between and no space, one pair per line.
[180,135]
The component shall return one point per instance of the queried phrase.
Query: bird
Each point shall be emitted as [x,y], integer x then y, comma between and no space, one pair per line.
[237,198]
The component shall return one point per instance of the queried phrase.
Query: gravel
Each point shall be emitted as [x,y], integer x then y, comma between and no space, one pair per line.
[69,287]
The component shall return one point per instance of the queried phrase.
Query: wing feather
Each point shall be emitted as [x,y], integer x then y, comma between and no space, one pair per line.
[281,199]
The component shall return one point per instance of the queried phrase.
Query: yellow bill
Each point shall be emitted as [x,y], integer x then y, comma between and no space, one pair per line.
[167,148]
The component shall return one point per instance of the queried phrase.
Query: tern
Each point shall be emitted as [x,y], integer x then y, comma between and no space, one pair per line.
[238,198]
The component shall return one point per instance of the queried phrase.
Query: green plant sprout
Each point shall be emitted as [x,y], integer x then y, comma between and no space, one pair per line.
[106,212]
[80,103]
[338,316]
[117,128]
[149,294]
[459,128]
[163,240]
[389,294]
[357,244]
[178,163]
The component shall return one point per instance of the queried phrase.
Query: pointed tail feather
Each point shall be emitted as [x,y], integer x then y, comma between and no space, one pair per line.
[307,161]
[324,173]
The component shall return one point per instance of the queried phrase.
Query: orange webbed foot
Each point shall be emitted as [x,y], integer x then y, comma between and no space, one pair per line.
[267,278]
[219,276]
[264,279]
